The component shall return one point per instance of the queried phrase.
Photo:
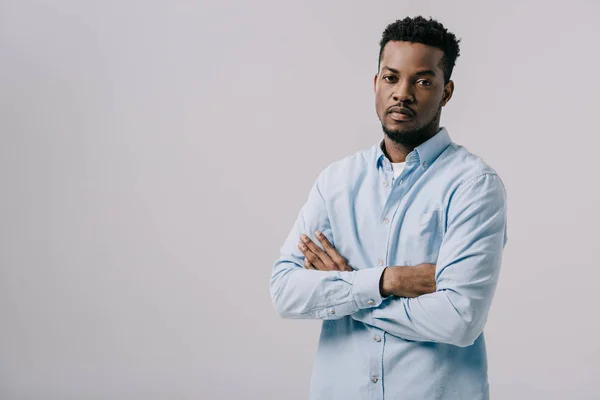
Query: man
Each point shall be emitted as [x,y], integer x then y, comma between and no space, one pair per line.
[398,247]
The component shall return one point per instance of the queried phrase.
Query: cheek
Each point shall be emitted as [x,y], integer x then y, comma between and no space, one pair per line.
[378,101]
[381,97]
[431,103]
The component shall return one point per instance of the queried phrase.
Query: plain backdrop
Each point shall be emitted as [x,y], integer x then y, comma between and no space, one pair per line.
[154,156]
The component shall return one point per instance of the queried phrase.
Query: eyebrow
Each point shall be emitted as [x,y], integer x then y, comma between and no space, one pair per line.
[420,73]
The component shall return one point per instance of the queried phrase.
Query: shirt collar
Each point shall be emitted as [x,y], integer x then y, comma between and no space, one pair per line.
[425,153]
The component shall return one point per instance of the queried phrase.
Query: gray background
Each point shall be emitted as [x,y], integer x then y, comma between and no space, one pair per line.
[154,156]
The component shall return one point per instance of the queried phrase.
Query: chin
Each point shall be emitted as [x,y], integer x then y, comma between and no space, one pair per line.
[405,127]
[408,135]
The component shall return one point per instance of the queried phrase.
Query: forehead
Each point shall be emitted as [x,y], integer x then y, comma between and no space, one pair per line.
[409,56]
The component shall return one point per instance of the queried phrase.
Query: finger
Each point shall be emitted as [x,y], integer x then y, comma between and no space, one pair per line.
[308,265]
[340,262]
[312,257]
[330,250]
[327,261]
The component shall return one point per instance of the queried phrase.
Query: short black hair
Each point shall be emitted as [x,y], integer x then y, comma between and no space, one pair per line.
[425,31]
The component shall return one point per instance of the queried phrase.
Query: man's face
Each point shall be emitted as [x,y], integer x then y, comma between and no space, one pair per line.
[410,91]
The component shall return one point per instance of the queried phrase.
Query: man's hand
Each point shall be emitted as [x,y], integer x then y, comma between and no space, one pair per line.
[317,259]
[401,281]
[408,281]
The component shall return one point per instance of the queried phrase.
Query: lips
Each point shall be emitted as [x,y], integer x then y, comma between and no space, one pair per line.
[400,114]
[401,111]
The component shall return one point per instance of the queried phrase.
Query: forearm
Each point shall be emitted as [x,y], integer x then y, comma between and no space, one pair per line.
[300,293]
[456,312]
[404,281]
[416,311]
[429,318]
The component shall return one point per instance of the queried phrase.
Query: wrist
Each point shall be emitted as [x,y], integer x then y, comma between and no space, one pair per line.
[386,283]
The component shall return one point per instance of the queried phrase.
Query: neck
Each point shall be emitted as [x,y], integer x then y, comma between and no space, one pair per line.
[395,152]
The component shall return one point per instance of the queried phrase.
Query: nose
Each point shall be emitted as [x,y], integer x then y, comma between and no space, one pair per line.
[403,93]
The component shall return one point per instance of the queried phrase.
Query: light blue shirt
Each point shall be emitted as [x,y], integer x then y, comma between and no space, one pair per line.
[446,208]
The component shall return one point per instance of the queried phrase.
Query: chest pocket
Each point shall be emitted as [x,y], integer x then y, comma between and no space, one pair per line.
[424,237]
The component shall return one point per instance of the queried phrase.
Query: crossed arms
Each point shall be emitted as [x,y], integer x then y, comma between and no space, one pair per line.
[404,301]
[395,281]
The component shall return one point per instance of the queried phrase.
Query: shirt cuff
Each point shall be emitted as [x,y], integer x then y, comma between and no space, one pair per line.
[366,287]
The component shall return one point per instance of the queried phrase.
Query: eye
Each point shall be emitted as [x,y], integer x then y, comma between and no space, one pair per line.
[389,78]
[424,82]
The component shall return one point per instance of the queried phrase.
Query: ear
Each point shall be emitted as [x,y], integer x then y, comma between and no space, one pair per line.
[448,90]
[375,82]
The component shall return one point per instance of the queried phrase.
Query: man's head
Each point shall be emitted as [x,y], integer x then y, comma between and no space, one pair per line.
[416,59]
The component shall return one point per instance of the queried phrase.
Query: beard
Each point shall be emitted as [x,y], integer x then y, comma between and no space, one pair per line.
[417,136]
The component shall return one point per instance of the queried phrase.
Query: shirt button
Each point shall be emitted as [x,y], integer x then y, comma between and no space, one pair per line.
[386,221]
[425,165]
[385,183]
[381,263]
[331,311]
[401,180]
[370,302]
[374,379]
[377,339]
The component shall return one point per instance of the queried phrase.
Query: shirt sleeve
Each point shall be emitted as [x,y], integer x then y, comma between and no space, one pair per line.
[300,293]
[467,272]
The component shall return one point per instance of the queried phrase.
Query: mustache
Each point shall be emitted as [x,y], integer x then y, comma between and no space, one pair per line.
[402,109]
